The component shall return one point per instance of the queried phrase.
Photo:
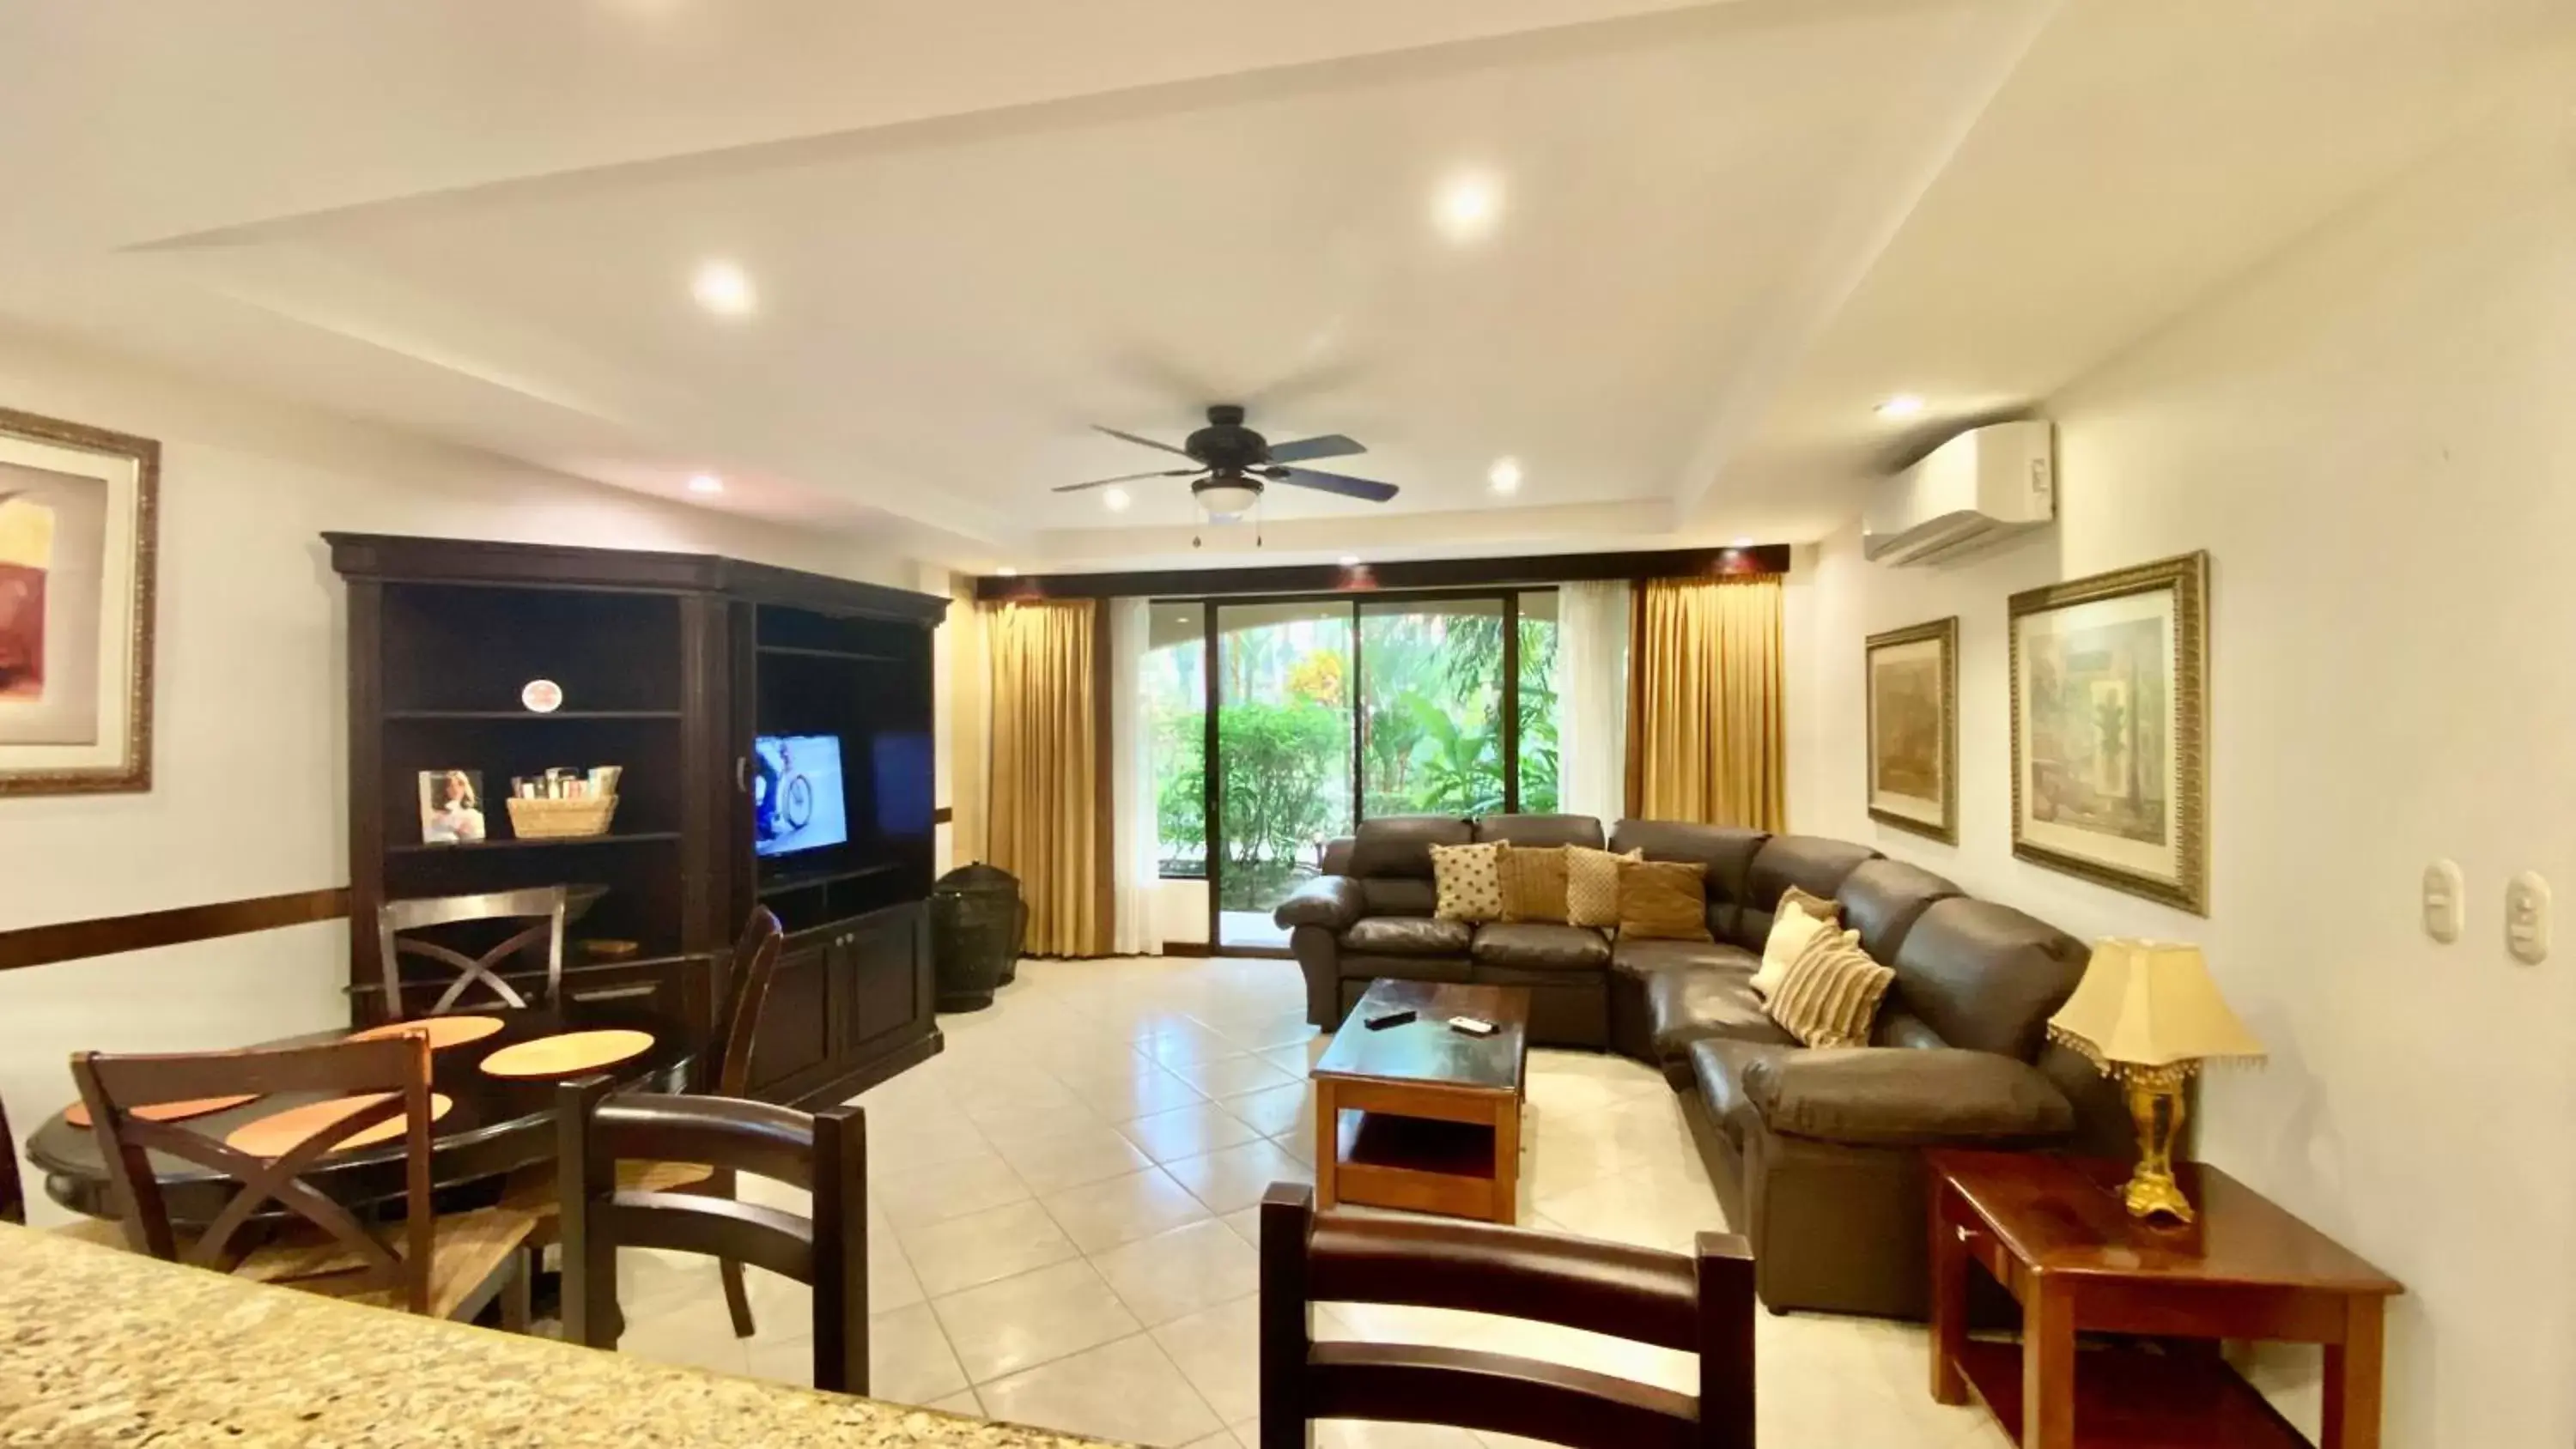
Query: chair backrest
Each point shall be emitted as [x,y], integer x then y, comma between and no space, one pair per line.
[825,1153]
[755,964]
[1701,1305]
[397,1067]
[13,1198]
[541,907]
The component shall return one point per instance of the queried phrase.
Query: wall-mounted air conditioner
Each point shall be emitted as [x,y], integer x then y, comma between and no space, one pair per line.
[1982,486]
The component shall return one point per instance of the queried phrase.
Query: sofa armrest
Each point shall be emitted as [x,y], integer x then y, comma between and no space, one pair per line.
[1904,1097]
[1330,901]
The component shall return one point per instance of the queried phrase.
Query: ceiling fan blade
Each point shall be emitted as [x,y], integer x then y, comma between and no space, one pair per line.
[1368,488]
[1131,437]
[1330,445]
[1129,478]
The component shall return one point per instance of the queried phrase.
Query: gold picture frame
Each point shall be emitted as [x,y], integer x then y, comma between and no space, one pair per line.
[1911,676]
[2110,723]
[78,519]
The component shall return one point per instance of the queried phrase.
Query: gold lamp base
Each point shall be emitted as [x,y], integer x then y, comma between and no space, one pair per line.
[2156,1105]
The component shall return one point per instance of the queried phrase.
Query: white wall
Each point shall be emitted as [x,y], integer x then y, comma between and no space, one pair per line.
[249,793]
[2375,438]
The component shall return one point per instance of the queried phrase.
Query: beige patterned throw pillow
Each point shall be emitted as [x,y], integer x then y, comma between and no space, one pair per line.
[1831,994]
[1470,882]
[1794,899]
[1791,933]
[1592,885]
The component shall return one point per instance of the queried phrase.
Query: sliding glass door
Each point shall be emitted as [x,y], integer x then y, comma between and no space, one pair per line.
[1282,768]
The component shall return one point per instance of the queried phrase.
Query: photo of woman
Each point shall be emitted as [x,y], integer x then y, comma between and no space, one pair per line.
[451,807]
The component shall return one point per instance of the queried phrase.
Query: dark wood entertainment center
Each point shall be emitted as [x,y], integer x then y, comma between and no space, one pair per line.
[670,664]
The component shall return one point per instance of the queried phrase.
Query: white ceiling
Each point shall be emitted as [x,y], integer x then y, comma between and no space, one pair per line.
[976,228]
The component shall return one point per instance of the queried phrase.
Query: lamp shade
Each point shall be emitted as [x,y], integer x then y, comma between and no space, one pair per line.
[2150,1004]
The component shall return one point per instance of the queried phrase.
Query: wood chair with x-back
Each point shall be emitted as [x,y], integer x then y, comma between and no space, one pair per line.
[540,909]
[824,1153]
[1701,1304]
[726,1072]
[447,1267]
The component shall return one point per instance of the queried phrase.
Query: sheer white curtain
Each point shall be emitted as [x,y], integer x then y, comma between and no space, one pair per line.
[1136,869]
[1592,700]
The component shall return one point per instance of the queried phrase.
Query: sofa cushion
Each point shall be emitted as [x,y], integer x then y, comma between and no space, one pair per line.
[1591,887]
[1717,1074]
[1388,895]
[1810,862]
[1330,901]
[1647,958]
[1882,899]
[1400,845]
[1536,946]
[1898,1027]
[1534,882]
[1469,879]
[1540,830]
[1687,1006]
[1408,936]
[1726,850]
[1663,900]
[1985,976]
[1902,1098]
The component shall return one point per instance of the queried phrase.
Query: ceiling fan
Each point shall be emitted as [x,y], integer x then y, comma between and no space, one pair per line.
[1239,462]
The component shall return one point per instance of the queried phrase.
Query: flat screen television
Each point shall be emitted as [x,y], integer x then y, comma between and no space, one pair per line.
[797,800]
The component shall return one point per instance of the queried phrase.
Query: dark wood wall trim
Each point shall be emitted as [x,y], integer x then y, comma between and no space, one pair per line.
[114,935]
[1429,573]
[944,815]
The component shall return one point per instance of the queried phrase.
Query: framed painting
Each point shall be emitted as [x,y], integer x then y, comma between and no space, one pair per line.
[1913,677]
[76,556]
[2110,721]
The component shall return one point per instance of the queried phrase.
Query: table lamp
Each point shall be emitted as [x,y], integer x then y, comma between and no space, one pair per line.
[2147,1015]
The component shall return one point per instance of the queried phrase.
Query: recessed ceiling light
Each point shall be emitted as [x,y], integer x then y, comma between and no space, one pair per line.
[1467,205]
[1116,499]
[1350,560]
[1007,572]
[705,483]
[721,287]
[1505,475]
[1903,405]
[1741,543]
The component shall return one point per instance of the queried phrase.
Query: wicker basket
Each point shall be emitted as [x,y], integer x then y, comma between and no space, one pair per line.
[560,819]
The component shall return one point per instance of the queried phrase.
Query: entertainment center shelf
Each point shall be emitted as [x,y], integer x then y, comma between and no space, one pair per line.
[742,704]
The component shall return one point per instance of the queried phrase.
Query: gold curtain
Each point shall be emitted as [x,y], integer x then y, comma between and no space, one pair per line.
[1705,738]
[1047,811]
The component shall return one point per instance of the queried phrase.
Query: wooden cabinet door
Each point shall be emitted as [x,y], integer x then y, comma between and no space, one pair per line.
[887,978]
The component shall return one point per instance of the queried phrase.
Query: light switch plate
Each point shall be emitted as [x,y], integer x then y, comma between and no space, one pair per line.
[2526,918]
[2443,901]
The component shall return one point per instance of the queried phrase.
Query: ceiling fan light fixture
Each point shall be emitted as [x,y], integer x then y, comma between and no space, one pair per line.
[1226,499]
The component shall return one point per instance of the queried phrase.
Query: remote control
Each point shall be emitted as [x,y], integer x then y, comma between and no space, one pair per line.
[1472,1026]
[1392,1018]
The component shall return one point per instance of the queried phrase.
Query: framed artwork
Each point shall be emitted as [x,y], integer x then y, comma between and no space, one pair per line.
[451,807]
[2110,719]
[76,557]
[1914,728]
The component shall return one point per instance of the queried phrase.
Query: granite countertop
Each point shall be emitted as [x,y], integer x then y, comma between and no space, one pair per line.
[99,1347]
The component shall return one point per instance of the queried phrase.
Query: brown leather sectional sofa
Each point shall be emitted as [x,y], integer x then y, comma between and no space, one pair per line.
[1816,1154]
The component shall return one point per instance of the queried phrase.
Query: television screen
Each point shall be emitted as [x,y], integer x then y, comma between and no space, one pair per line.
[796,794]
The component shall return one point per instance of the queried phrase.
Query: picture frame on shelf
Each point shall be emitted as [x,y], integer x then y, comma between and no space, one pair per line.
[78,545]
[451,807]
[1912,677]
[2110,723]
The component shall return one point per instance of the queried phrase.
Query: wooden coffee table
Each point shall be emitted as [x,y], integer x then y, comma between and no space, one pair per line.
[2054,1233]
[1420,1116]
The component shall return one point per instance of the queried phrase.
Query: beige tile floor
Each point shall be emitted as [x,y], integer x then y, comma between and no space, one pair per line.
[1062,1227]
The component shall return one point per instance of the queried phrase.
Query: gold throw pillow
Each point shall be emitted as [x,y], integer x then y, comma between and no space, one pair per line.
[1831,994]
[1534,883]
[1592,885]
[1663,900]
[1469,882]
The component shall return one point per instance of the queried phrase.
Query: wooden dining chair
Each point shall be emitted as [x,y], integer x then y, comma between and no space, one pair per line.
[447,1267]
[824,1153]
[541,908]
[725,1072]
[1701,1305]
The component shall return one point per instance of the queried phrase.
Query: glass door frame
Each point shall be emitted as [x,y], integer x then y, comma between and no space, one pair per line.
[1211,763]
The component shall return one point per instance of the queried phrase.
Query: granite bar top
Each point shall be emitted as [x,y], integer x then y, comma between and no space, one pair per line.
[100,1347]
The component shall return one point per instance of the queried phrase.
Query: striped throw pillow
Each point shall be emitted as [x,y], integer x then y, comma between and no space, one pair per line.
[1831,994]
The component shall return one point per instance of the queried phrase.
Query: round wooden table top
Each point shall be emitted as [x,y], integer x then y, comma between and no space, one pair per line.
[494,1125]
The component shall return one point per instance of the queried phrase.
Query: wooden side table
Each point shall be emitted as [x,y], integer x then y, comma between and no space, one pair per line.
[2053,1232]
